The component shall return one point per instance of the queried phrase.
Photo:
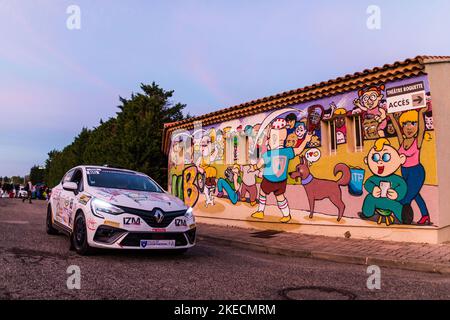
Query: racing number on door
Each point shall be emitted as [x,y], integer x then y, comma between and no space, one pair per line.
[190,190]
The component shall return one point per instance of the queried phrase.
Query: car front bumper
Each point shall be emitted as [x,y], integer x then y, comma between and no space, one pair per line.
[137,229]
[113,238]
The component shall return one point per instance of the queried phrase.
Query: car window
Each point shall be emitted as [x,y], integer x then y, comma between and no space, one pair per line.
[77,177]
[110,178]
[68,176]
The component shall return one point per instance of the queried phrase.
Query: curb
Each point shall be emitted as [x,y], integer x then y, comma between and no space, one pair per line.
[412,265]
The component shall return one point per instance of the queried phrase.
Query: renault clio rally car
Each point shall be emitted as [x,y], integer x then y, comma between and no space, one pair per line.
[102,207]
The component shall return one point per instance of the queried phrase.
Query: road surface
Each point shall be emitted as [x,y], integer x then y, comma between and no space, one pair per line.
[34,266]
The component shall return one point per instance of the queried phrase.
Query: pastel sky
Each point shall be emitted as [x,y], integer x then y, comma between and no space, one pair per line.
[54,81]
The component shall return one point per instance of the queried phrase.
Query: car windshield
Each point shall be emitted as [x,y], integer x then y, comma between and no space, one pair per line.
[108,178]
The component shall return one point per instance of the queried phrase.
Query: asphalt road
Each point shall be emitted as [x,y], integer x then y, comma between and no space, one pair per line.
[34,265]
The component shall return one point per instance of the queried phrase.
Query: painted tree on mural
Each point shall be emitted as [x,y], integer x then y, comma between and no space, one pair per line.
[131,140]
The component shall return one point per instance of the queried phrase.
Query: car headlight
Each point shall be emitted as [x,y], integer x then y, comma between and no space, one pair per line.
[189,213]
[99,207]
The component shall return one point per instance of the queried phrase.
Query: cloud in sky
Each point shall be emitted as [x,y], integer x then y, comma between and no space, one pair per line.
[54,81]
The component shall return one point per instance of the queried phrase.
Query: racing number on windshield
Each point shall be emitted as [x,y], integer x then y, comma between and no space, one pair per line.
[190,190]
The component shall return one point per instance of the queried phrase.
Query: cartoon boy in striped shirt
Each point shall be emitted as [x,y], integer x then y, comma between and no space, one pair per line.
[275,163]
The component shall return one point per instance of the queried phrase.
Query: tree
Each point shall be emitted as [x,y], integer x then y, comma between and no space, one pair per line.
[37,174]
[140,124]
[131,140]
[17,180]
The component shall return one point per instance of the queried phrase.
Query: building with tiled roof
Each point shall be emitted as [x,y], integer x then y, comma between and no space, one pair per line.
[403,107]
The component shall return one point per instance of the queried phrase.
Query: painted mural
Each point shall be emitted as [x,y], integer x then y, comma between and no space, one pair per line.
[363,157]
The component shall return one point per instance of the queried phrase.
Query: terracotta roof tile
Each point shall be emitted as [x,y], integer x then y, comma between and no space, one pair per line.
[389,72]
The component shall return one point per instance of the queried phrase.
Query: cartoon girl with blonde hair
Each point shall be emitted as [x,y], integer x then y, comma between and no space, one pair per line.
[369,101]
[410,129]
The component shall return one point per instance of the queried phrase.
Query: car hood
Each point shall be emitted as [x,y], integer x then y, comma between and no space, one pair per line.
[139,199]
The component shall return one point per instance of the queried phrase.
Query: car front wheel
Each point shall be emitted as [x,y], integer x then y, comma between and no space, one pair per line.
[79,235]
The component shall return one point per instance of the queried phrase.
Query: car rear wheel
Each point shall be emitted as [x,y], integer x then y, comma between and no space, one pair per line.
[79,236]
[49,222]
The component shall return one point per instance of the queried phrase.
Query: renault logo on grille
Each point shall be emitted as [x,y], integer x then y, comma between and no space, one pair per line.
[159,216]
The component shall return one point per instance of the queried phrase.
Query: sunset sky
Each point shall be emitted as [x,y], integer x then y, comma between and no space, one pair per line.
[214,54]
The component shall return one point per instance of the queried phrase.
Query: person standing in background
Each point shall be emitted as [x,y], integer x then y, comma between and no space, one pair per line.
[29,188]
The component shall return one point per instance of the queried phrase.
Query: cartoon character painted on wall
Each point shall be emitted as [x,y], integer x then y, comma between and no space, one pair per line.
[249,184]
[206,154]
[210,184]
[199,141]
[313,124]
[369,101]
[370,127]
[176,154]
[291,140]
[386,189]
[389,131]
[291,123]
[329,113]
[275,164]
[230,184]
[429,126]
[300,132]
[341,128]
[410,128]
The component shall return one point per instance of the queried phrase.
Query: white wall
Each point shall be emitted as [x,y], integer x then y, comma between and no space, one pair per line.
[439,80]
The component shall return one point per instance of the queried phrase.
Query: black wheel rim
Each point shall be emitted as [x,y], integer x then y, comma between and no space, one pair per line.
[80,232]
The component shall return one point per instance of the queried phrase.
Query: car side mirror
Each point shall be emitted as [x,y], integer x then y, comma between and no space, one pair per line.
[70,186]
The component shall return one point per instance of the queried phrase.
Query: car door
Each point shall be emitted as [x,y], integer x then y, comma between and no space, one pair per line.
[67,200]
[73,197]
[57,200]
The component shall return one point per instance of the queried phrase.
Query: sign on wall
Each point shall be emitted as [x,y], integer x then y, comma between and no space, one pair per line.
[406,97]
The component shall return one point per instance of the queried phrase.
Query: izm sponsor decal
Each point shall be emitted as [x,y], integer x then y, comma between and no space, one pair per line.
[180,223]
[132,221]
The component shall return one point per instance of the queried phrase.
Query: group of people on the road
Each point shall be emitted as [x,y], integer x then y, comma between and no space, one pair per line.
[10,190]
[26,193]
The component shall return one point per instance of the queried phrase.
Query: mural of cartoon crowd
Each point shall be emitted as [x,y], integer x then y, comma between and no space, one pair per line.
[248,159]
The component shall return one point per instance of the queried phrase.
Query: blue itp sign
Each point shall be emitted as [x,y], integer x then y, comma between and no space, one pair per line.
[355,187]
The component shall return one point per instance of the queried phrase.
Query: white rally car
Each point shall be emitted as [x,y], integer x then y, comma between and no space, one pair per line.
[102,207]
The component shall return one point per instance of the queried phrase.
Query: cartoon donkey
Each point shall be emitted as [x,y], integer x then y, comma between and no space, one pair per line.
[319,189]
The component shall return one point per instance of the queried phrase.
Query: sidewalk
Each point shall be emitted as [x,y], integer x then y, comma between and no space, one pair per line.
[410,256]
